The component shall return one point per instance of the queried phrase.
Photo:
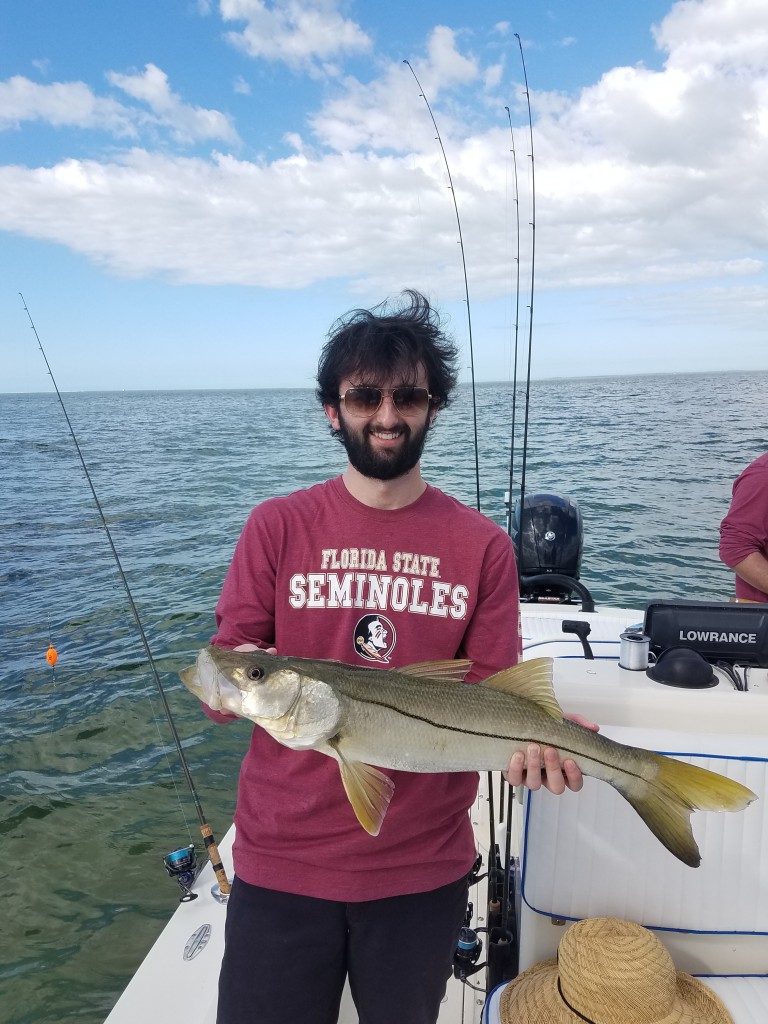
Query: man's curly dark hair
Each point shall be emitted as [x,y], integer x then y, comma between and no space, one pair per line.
[372,344]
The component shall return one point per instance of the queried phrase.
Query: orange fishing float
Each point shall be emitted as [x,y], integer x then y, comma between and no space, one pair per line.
[51,655]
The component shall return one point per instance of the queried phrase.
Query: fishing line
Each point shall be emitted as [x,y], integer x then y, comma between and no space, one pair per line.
[205,828]
[466,281]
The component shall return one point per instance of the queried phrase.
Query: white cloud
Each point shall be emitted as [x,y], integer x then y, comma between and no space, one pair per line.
[186,122]
[387,113]
[74,104]
[61,104]
[300,33]
[447,66]
[645,177]
[492,76]
[221,221]
[661,173]
[702,35]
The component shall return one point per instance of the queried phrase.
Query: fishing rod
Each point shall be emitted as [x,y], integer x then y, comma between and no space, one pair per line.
[501,905]
[205,828]
[504,930]
[493,860]
[530,307]
[466,280]
[517,327]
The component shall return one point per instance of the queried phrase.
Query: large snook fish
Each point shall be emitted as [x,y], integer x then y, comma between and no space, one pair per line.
[424,719]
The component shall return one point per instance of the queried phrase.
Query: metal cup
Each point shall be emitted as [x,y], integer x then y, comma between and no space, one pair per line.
[634,651]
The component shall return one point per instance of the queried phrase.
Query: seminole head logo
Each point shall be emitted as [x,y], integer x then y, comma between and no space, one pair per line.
[374,638]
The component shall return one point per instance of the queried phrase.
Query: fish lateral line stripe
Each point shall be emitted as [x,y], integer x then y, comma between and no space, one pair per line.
[435,725]
[495,736]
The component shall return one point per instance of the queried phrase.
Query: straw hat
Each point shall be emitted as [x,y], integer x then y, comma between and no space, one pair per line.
[609,972]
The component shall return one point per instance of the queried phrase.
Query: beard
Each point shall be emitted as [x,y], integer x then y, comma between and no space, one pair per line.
[383,464]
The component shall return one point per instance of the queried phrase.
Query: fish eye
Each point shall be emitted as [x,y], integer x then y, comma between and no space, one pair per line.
[255,672]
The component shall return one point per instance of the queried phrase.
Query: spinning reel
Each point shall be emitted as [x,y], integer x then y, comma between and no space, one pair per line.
[182,865]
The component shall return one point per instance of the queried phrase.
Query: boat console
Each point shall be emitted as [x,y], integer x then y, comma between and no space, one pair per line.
[717,630]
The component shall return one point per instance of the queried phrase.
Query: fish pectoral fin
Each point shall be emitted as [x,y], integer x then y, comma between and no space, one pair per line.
[531,680]
[368,790]
[452,671]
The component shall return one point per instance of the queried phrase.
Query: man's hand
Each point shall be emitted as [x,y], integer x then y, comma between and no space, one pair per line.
[539,767]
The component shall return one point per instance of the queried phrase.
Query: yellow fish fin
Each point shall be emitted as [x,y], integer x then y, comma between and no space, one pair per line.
[450,671]
[368,790]
[666,803]
[531,680]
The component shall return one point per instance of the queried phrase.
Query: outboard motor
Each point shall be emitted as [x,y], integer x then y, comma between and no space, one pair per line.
[549,542]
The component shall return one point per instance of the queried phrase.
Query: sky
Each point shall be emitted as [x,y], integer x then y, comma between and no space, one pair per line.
[192,191]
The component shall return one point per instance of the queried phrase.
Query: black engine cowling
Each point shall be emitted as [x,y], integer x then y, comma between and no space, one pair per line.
[549,542]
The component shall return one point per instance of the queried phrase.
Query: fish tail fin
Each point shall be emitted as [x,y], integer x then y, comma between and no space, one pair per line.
[665,804]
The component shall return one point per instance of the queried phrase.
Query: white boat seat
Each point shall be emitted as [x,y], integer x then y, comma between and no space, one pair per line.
[590,855]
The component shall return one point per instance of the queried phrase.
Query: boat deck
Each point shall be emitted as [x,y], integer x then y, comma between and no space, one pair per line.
[585,854]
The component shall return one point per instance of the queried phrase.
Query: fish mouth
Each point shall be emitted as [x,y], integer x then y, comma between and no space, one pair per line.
[190,679]
[194,676]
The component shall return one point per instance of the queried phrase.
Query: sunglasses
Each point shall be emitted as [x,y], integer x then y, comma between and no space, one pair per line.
[365,401]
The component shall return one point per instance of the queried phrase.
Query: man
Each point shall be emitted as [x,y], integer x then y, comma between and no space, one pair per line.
[375,566]
[744,532]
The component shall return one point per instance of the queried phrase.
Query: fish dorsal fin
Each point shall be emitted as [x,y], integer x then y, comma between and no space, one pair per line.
[531,680]
[368,790]
[449,671]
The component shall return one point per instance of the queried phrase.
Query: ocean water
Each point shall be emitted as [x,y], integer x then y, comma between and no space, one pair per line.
[92,796]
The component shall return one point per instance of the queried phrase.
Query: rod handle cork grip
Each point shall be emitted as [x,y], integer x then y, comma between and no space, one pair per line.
[215,859]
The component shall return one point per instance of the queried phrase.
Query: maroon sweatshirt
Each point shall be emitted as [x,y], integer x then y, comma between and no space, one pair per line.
[317,574]
[745,528]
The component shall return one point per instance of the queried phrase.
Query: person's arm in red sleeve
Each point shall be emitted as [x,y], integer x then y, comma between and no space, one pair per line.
[245,610]
[744,531]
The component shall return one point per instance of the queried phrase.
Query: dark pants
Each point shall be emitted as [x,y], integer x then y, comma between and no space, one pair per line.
[286,957]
